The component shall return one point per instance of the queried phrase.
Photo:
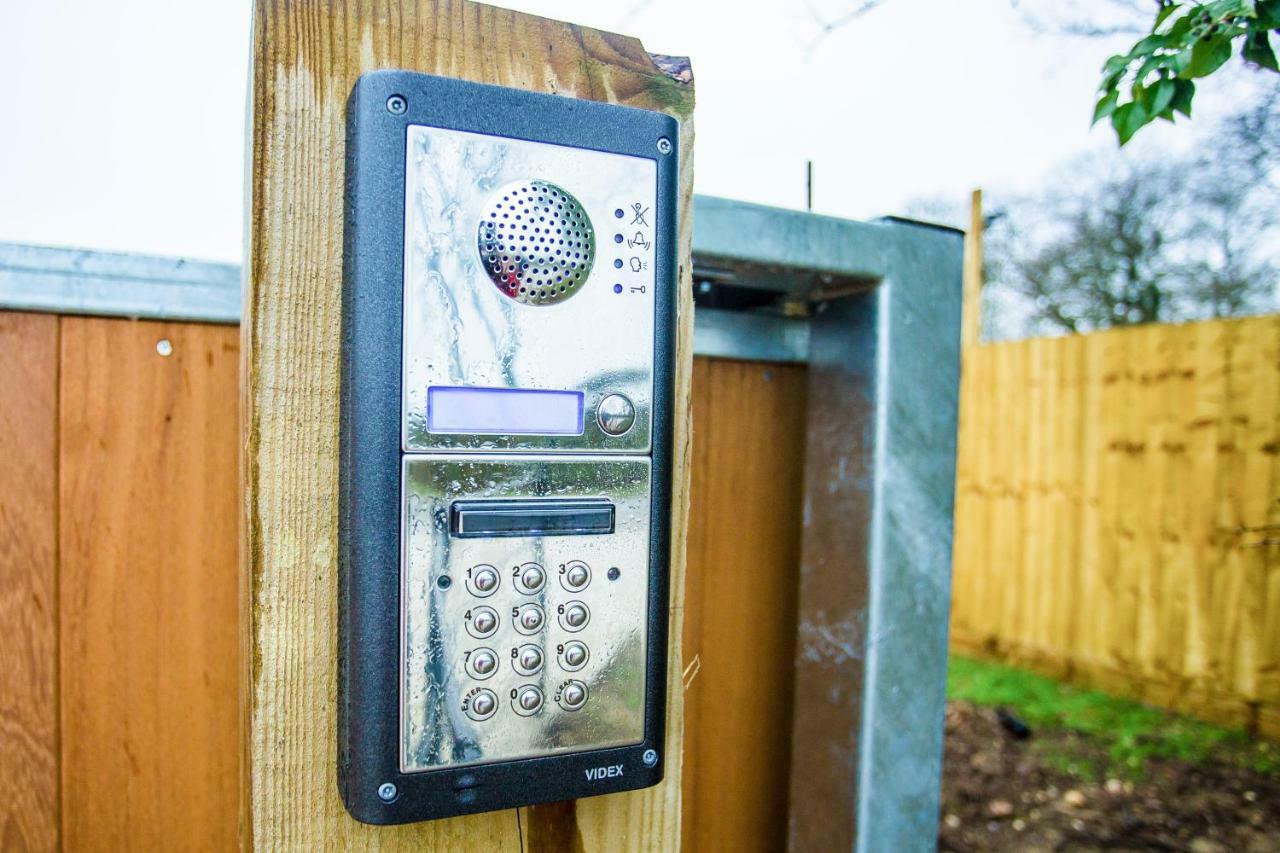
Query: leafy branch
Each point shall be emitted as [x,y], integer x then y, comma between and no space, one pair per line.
[1188,41]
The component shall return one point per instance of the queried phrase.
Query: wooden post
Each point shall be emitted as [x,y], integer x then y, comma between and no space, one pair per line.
[971,319]
[307,55]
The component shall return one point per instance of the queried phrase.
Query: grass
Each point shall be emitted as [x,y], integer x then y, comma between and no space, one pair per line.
[1128,733]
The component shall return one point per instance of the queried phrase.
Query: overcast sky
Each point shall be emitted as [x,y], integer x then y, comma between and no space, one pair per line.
[124,120]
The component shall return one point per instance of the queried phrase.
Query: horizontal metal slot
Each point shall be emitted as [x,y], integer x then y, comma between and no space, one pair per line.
[567,517]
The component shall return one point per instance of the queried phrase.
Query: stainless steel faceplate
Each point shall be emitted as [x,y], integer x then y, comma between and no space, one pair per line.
[439,687]
[461,330]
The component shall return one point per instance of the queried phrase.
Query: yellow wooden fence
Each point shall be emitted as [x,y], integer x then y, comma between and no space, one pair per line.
[1118,513]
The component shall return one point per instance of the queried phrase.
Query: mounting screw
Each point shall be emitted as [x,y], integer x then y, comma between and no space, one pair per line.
[396,105]
[664,145]
[387,792]
[650,757]
[164,347]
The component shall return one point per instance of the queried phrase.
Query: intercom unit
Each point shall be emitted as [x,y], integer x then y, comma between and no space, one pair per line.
[506,429]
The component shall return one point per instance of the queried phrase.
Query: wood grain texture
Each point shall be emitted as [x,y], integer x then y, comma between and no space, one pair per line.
[148,586]
[1117,501]
[740,602]
[29,797]
[306,57]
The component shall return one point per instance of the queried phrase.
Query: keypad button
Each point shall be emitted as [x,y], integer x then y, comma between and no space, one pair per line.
[573,695]
[574,656]
[482,663]
[528,700]
[574,616]
[483,622]
[483,581]
[530,577]
[528,659]
[576,576]
[482,705]
[529,618]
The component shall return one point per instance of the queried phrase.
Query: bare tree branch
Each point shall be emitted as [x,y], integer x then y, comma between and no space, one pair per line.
[827,26]
[1126,17]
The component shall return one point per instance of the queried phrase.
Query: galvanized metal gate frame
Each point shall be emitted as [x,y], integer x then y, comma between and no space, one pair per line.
[874,308]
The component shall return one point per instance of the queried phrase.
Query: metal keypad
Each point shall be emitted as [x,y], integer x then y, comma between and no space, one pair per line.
[537,651]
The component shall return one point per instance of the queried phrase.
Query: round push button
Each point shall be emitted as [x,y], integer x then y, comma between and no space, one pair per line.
[575,616]
[573,695]
[574,656]
[528,659]
[576,576]
[529,618]
[482,705]
[483,622]
[615,414]
[530,577]
[482,663]
[528,700]
[483,580]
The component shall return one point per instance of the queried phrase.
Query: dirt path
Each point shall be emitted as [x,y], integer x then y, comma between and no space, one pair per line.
[1004,794]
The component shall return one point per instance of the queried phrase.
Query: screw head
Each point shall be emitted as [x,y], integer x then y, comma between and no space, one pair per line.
[387,792]
[164,346]
[664,145]
[650,757]
[396,105]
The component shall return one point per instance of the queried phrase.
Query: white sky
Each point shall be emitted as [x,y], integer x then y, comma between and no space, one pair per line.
[124,120]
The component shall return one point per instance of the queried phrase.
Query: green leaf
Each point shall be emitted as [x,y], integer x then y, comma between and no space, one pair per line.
[1179,62]
[1161,96]
[1106,106]
[1180,28]
[1208,56]
[1164,13]
[1268,14]
[1115,64]
[1184,91]
[1149,45]
[1127,120]
[1257,49]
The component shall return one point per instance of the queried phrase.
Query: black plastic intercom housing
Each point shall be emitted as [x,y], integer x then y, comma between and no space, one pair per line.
[381,108]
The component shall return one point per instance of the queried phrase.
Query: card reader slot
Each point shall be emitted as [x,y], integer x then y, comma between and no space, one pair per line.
[531,517]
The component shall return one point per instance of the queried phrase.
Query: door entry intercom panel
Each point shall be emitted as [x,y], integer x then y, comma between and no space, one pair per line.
[508,350]
[516,284]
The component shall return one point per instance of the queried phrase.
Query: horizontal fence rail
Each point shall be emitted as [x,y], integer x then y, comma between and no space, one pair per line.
[1118,513]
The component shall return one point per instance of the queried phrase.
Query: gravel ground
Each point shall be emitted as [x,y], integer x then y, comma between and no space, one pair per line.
[1001,793]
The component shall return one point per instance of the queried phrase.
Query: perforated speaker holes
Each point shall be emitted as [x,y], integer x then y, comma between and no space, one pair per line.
[536,242]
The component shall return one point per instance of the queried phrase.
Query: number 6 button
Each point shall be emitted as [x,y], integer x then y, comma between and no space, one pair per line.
[574,616]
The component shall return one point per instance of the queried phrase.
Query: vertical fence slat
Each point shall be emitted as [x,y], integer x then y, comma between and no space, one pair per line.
[29,794]
[1113,502]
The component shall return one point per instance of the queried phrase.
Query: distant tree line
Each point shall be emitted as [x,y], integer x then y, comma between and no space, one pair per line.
[1119,242]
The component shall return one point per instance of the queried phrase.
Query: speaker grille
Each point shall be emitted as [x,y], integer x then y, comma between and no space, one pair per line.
[536,242]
